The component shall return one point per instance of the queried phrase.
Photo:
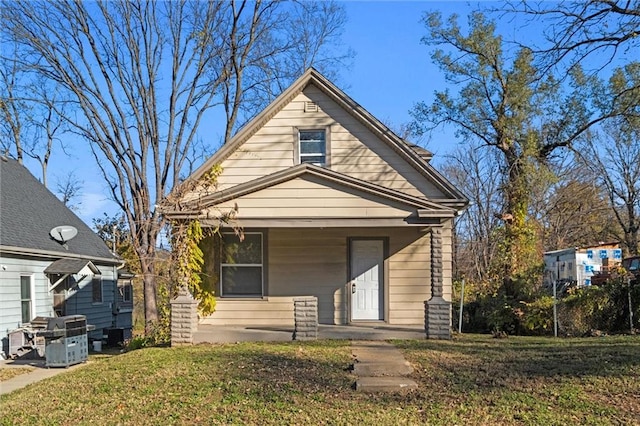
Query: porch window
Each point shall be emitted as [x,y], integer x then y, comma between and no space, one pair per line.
[242,265]
[26,298]
[96,288]
[313,147]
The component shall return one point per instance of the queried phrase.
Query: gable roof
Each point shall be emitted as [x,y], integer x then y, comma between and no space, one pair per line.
[28,211]
[70,266]
[418,158]
[424,207]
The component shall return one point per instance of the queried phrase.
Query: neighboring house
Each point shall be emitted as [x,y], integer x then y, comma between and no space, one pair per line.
[44,276]
[332,204]
[579,264]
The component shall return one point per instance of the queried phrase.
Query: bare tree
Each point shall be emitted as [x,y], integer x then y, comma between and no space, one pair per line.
[613,155]
[274,48]
[574,211]
[31,122]
[70,189]
[142,76]
[474,170]
[13,108]
[600,30]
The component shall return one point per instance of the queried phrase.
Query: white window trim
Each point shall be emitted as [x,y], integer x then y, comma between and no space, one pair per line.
[261,265]
[32,299]
[327,144]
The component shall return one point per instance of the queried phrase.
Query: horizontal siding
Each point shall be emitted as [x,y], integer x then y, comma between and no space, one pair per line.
[274,311]
[314,262]
[79,302]
[310,197]
[98,314]
[348,134]
[409,280]
[355,150]
[314,266]
[10,305]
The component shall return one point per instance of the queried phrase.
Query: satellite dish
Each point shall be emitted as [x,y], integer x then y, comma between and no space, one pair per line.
[63,233]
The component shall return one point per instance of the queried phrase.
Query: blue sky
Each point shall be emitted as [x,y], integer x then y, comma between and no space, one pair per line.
[391,71]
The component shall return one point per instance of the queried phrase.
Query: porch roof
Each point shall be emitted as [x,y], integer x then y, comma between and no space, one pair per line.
[421,208]
[70,266]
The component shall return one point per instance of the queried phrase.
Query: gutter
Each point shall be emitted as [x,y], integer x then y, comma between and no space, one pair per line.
[56,254]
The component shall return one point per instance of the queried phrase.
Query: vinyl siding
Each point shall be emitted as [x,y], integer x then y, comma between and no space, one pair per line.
[311,197]
[78,302]
[272,312]
[99,314]
[315,262]
[10,306]
[354,150]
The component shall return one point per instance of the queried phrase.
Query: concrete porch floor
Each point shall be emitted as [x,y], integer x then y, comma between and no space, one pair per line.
[230,334]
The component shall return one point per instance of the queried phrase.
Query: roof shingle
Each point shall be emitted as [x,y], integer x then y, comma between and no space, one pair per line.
[28,211]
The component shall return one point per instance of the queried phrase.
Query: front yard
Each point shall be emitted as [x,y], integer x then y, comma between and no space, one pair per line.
[470,380]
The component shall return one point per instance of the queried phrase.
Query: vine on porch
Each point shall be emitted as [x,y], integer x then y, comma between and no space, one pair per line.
[187,233]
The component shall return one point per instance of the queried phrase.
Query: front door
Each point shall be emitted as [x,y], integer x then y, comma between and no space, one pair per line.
[367,261]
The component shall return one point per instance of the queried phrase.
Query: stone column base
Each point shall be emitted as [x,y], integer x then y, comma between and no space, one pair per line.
[184,318]
[437,318]
[305,312]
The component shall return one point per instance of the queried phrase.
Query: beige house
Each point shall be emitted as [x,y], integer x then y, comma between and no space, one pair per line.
[332,205]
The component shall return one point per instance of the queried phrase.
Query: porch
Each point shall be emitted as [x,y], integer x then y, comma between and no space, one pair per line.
[207,333]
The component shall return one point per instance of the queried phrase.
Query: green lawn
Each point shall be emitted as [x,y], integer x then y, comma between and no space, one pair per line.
[470,380]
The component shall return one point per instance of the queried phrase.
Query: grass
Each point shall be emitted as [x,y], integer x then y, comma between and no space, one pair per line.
[469,380]
[8,373]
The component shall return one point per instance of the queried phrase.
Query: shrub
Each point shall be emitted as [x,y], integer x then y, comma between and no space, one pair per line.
[604,308]
[537,315]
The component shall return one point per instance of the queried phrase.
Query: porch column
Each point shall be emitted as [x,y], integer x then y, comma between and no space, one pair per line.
[305,312]
[184,318]
[437,311]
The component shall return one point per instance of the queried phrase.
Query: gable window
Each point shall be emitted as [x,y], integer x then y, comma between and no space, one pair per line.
[242,271]
[313,147]
[26,297]
[96,288]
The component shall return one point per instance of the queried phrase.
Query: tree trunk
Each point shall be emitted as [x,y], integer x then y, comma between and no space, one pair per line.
[150,290]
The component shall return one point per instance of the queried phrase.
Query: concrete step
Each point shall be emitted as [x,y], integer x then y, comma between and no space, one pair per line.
[385,384]
[379,369]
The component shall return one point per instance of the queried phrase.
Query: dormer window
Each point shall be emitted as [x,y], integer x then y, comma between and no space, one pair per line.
[313,147]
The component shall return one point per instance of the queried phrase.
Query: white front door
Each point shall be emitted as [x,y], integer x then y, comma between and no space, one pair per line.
[367,260]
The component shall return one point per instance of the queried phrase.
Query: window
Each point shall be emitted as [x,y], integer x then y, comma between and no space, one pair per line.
[242,265]
[127,292]
[96,287]
[26,298]
[313,147]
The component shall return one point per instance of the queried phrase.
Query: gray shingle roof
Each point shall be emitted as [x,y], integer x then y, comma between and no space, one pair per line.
[28,211]
[69,266]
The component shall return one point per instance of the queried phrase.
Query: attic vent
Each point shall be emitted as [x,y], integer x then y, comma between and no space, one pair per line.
[310,106]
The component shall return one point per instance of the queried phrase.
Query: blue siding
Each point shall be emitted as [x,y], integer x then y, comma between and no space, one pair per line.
[111,312]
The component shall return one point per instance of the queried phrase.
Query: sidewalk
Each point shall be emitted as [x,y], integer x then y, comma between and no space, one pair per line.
[40,372]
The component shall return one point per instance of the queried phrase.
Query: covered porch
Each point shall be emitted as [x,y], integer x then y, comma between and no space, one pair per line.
[372,331]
